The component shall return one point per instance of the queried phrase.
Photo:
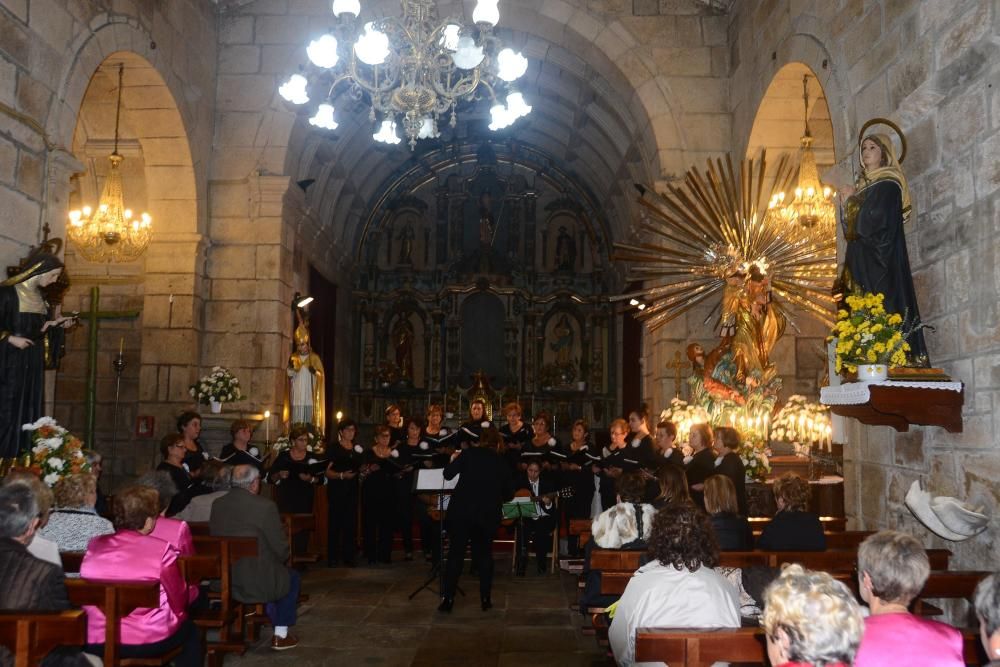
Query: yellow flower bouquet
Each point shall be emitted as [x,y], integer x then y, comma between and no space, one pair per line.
[867,334]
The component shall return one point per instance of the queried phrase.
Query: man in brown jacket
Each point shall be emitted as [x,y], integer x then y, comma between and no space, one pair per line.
[264,579]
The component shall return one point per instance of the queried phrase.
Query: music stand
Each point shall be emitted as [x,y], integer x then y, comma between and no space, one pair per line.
[431,480]
[519,509]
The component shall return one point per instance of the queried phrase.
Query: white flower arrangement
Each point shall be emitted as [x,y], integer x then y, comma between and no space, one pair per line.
[219,386]
[755,460]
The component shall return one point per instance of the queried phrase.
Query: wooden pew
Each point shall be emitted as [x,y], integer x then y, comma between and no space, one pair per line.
[199,528]
[946,585]
[31,635]
[700,647]
[228,617]
[581,528]
[71,561]
[116,600]
[296,523]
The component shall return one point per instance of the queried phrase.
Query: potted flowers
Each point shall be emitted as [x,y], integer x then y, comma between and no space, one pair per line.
[218,387]
[870,340]
[55,452]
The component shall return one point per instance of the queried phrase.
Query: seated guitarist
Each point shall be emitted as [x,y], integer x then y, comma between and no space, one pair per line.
[542,490]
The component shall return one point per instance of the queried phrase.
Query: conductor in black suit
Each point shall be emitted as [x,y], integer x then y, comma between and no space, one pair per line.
[484,484]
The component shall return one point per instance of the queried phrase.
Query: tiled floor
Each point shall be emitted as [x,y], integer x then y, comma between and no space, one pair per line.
[363,616]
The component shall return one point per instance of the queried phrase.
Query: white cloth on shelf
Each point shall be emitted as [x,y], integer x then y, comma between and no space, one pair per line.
[857,393]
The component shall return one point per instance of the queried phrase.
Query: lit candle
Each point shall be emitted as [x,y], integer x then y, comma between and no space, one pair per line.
[121,346]
[267,427]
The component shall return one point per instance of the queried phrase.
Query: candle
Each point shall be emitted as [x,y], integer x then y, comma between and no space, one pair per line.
[267,427]
[121,346]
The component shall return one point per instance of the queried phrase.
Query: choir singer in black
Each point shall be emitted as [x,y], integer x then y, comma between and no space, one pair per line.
[484,484]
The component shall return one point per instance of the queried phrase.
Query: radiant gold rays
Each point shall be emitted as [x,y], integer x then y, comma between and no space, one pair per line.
[714,226]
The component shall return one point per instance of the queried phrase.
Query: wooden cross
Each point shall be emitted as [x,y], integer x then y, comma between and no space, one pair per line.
[94,317]
[677,365]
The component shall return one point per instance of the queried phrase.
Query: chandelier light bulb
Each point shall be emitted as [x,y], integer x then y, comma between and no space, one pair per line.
[323,51]
[372,47]
[517,107]
[387,133]
[324,118]
[468,55]
[294,90]
[500,116]
[511,66]
[486,11]
[450,36]
[352,7]
[428,129]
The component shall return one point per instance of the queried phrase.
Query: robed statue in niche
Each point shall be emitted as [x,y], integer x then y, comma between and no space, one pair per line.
[402,342]
[562,343]
[565,250]
[405,238]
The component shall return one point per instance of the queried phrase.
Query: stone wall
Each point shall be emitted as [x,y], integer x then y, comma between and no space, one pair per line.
[932,67]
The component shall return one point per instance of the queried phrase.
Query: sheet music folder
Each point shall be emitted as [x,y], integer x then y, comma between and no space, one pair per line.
[519,508]
[431,480]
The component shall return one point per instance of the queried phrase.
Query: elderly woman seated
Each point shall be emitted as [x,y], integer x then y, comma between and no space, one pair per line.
[892,568]
[792,528]
[987,604]
[678,588]
[132,554]
[75,519]
[630,520]
[812,620]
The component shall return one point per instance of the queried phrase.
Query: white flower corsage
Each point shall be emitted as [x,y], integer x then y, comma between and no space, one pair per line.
[424,446]
[358,449]
[485,424]
[552,442]
[636,442]
[394,454]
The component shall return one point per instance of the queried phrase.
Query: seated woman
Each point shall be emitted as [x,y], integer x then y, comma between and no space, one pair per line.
[678,588]
[792,528]
[75,520]
[987,603]
[132,554]
[793,603]
[673,486]
[172,449]
[627,524]
[731,530]
[892,568]
[174,532]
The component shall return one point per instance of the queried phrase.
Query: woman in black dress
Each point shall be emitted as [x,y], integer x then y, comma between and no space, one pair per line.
[343,467]
[732,530]
[240,451]
[394,420]
[378,497]
[576,473]
[727,444]
[516,434]
[172,450]
[412,451]
[441,440]
[189,426]
[639,437]
[543,446]
[470,431]
[702,463]
[617,457]
[295,474]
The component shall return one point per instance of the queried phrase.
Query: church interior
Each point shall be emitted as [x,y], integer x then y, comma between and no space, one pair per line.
[589,237]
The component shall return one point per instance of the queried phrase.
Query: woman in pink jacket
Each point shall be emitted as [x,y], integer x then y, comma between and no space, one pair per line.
[132,554]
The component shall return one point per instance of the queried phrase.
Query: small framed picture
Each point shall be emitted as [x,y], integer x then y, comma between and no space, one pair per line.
[144,426]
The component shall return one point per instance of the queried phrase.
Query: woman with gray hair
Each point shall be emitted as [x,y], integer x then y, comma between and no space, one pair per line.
[75,521]
[987,605]
[811,619]
[892,568]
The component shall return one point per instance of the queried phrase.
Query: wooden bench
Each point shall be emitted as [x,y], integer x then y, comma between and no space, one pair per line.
[294,524]
[116,600]
[700,647]
[228,617]
[581,528]
[71,561]
[31,635]
[946,585]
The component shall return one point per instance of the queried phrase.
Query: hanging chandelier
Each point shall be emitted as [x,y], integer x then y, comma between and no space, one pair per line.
[811,208]
[412,69]
[111,233]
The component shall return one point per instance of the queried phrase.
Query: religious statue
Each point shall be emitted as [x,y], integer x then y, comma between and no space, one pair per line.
[402,340]
[876,260]
[563,344]
[305,371]
[487,225]
[565,251]
[405,239]
[31,337]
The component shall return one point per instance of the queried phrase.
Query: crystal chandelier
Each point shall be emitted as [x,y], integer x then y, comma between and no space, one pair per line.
[111,233]
[412,69]
[811,208]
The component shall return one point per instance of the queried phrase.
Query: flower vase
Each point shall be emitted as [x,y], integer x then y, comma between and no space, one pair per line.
[216,407]
[872,372]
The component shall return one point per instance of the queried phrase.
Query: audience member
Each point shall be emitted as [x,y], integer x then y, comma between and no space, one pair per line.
[811,620]
[987,603]
[701,466]
[173,531]
[673,486]
[133,554]
[628,523]
[242,512]
[732,530]
[892,568]
[75,521]
[729,463]
[26,582]
[39,547]
[96,462]
[792,528]
[678,588]
[536,530]
[216,475]
[172,449]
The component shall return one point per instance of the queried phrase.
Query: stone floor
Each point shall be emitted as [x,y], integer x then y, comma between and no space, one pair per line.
[363,616]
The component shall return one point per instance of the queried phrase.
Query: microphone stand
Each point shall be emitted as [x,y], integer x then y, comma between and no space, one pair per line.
[119,366]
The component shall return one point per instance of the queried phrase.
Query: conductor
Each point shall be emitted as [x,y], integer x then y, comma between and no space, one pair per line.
[484,484]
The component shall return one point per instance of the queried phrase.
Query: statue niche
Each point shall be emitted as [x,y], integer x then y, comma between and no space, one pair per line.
[484,226]
[564,244]
[405,240]
[562,351]
[403,361]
